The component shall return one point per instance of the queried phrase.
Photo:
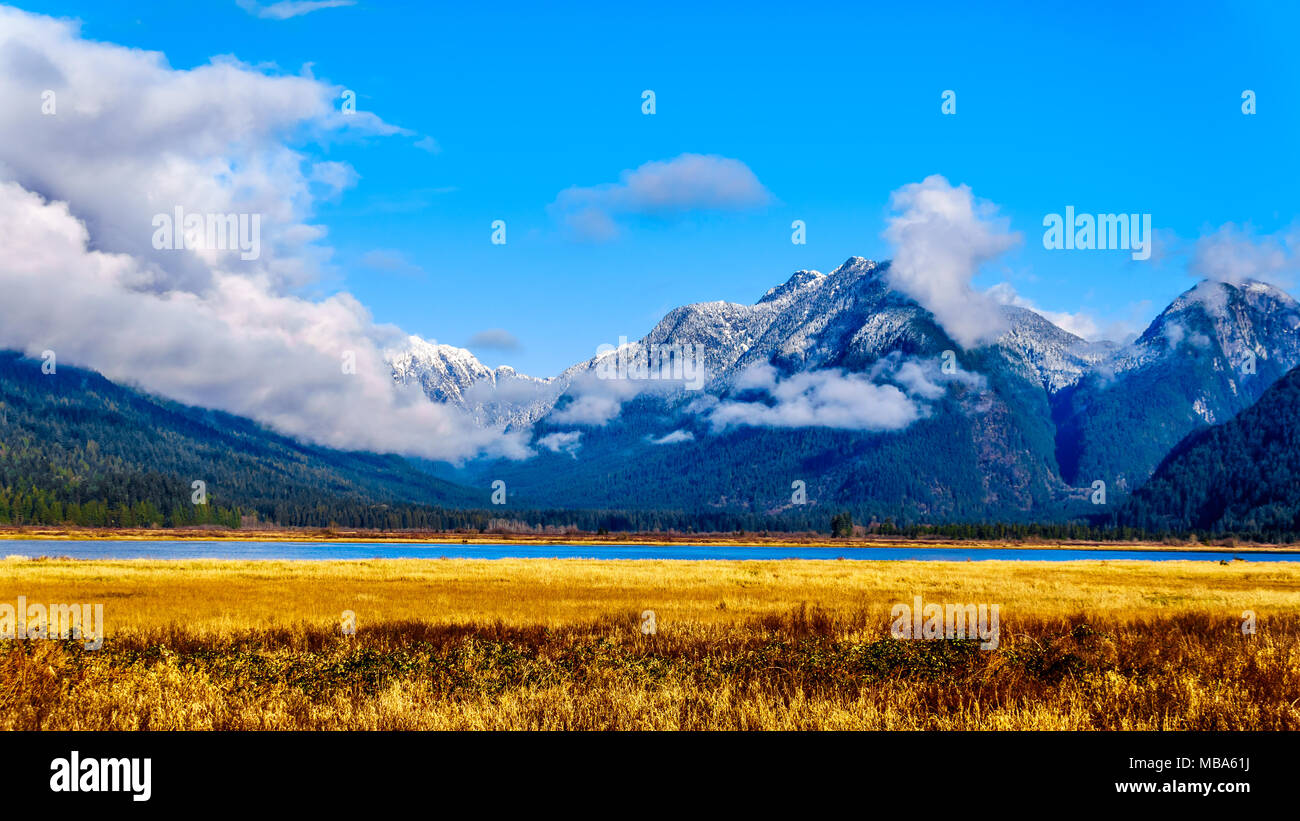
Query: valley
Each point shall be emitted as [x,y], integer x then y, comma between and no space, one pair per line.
[835,384]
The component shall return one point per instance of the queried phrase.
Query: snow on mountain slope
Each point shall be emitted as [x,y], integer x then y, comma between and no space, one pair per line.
[1039,414]
[1208,356]
[846,319]
[443,371]
[501,398]
[850,318]
[1045,353]
[811,321]
[1240,320]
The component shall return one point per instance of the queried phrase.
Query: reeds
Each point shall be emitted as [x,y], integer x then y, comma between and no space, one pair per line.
[777,646]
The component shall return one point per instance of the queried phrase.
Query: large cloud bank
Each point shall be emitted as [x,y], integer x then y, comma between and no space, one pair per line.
[97,139]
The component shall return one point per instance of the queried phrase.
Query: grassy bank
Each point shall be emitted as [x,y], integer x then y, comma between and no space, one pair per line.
[60,533]
[739,645]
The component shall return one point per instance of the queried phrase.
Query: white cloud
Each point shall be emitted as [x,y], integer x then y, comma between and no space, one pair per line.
[676,437]
[391,262]
[566,442]
[1081,324]
[824,399]
[891,396]
[1177,333]
[923,378]
[286,9]
[517,391]
[595,401]
[1235,254]
[130,138]
[428,144]
[663,188]
[588,410]
[596,396]
[495,339]
[336,177]
[238,347]
[943,235]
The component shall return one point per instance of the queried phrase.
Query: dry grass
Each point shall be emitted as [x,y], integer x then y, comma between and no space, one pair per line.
[554,644]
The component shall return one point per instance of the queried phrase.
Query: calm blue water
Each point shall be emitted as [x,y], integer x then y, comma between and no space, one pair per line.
[337,550]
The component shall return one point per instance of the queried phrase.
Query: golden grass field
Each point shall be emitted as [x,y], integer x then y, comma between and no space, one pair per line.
[555,644]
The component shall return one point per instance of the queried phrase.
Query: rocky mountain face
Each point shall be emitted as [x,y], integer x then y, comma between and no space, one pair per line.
[1018,428]
[1208,356]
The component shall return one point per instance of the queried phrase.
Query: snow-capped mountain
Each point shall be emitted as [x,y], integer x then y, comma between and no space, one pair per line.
[847,318]
[1053,357]
[444,372]
[500,398]
[851,317]
[1208,356]
[812,321]
[1042,414]
[842,319]
[1247,324]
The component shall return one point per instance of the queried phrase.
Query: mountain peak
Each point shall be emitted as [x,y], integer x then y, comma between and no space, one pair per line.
[1256,286]
[852,268]
[443,371]
[1237,314]
[1213,296]
[797,281]
[420,348]
[858,266]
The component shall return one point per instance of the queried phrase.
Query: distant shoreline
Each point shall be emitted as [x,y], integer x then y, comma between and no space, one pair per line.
[346,536]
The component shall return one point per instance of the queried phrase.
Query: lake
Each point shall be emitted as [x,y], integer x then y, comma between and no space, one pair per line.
[379,550]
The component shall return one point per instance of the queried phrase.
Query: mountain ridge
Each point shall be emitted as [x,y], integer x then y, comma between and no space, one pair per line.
[835,383]
[1031,439]
[1242,476]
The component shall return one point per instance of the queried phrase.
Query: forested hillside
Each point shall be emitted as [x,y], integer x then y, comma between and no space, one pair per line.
[76,447]
[1241,477]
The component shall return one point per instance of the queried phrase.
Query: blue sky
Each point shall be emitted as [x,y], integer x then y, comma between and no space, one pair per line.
[1106,107]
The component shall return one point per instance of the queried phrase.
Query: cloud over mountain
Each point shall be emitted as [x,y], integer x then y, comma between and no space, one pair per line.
[124,138]
[943,235]
[893,394]
[1236,254]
